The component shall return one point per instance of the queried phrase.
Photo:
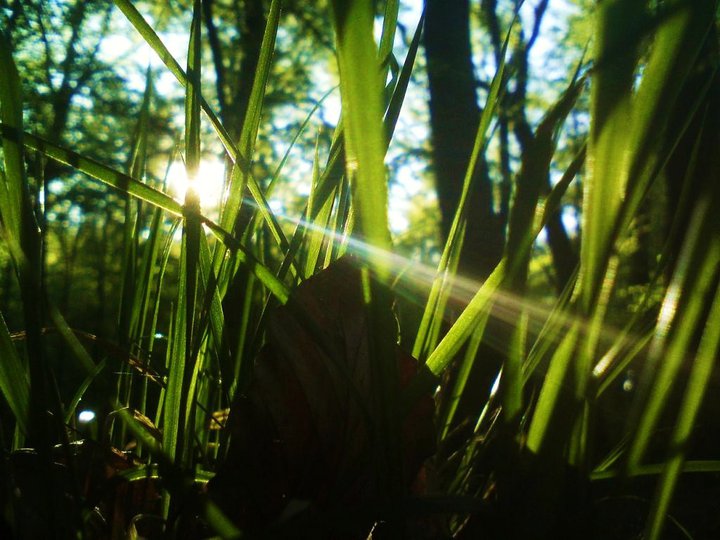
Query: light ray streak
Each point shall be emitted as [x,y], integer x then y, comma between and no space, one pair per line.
[412,279]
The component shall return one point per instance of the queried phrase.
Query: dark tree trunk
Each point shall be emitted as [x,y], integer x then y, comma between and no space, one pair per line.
[563,252]
[454,117]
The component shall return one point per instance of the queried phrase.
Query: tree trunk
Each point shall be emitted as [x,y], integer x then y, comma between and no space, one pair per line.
[454,117]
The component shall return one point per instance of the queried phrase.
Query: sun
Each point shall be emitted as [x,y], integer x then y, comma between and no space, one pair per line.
[209,184]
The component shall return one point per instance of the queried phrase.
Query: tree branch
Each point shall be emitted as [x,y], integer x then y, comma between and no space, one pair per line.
[217,55]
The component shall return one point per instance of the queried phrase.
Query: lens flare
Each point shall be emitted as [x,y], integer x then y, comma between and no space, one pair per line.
[209,183]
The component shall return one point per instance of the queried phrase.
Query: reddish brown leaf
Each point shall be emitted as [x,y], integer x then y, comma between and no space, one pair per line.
[301,429]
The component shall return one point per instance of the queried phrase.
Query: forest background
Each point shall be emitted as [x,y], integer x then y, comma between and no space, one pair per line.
[549,247]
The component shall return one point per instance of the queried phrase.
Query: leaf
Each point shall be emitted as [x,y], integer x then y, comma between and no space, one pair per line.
[303,429]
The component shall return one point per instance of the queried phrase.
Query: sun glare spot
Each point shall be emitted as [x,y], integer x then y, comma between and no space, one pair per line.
[209,183]
[86,416]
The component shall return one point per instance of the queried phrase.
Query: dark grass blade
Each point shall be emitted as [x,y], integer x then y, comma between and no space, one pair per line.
[179,482]
[14,383]
[22,235]
[129,311]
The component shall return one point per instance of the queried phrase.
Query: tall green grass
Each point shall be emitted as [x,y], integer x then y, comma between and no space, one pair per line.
[539,425]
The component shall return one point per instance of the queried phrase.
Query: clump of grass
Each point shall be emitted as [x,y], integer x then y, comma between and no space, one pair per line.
[532,448]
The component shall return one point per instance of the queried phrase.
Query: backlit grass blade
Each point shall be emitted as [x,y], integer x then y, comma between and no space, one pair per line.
[444,353]
[361,95]
[446,417]
[676,44]
[623,150]
[680,315]
[332,176]
[532,177]
[300,231]
[398,95]
[327,188]
[212,311]
[429,331]
[511,379]
[179,402]
[622,161]
[655,469]
[318,232]
[361,91]
[281,164]
[546,410]
[13,188]
[514,378]
[241,176]
[174,401]
[618,31]
[121,181]
[167,248]
[192,231]
[387,36]
[191,224]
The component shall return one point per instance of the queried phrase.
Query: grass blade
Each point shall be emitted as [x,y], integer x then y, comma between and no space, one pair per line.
[365,146]
[23,237]
[14,383]
[361,92]
[428,333]
[694,393]
[679,317]
[241,175]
